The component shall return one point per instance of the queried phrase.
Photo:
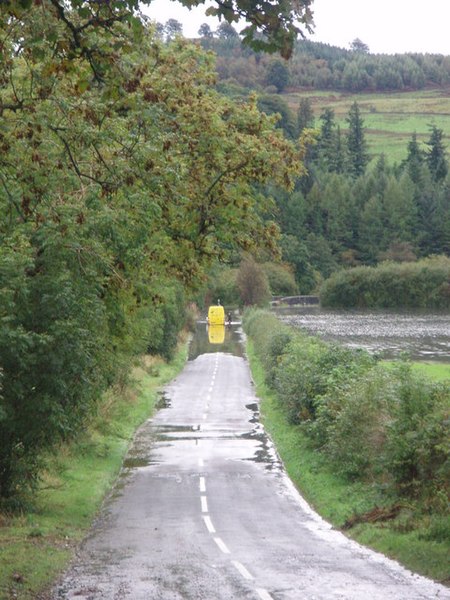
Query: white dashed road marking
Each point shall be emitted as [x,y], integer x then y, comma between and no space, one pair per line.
[264,594]
[210,527]
[221,545]
[204,502]
[242,570]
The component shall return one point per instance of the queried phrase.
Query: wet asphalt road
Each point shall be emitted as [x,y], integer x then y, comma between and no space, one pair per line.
[203,510]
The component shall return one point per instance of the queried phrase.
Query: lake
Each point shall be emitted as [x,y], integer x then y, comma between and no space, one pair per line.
[422,335]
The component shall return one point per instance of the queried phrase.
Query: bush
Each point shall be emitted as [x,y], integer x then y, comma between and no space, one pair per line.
[281,280]
[252,283]
[423,284]
[165,321]
[417,450]
[356,431]
[369,421]
[222,285]
[271,337]
[55,358]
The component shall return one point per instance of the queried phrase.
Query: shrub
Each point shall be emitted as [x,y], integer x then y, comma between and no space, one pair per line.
[356,432]
[54,354]
[368,420]
[281,280]
[416,453]
[252,283]
[271,339]
[222,285]
[423,284]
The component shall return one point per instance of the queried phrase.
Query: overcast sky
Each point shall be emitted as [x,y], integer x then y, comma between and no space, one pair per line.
[386,26]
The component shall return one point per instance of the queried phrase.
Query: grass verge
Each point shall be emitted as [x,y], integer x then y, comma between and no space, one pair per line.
[336,499]
[37,545]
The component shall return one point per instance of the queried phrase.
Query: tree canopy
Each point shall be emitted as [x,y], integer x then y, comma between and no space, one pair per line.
[123,176]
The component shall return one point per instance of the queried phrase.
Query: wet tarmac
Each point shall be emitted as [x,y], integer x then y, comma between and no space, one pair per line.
[203,508]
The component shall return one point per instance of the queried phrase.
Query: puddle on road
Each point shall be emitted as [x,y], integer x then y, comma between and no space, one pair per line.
[154,441]
[201,342]
[163,401]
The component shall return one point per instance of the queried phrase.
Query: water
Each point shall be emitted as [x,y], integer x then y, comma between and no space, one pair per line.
[421,335]
[217,338]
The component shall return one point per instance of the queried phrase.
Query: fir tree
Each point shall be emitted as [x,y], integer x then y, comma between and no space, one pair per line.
[436,159]
[356,143]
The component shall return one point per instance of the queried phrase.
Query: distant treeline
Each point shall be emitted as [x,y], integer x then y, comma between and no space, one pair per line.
[322,66]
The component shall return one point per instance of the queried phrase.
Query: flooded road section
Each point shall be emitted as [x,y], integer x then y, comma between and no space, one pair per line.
[204,510]
[421,335]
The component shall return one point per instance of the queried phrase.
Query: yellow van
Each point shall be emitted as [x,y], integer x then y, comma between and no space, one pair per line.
[216,315]
[216,334]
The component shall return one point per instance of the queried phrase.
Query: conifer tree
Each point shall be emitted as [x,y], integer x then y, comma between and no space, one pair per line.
[436,158]
[415,160]
[305,115]
[358,157]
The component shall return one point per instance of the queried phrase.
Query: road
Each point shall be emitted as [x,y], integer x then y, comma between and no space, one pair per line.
[204,510]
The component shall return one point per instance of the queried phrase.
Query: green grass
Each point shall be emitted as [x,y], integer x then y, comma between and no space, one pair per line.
[433,370]
[390,119]
[436,371]
[337,499]
[36,545]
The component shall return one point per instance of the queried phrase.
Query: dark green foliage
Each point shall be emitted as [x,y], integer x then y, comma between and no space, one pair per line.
[343,220]
[358,157]
[424,284]
[416,452]
[271,104]
[165,320]
[281,279]
[222,285]
[305,115]
[369,421]
[121,182]
[55,357]
[277,75]
[272,337]
[295,252]
[436,159]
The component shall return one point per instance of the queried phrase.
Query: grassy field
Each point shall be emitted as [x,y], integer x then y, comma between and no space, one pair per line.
[38,543]
[337,500]
[390,119]
[433,370]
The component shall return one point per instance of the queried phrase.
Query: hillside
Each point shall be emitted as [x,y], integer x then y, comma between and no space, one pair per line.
[390,118]
[397,95]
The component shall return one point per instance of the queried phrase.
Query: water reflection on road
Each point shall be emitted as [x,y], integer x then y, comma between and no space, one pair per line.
[229,340]
[422,335]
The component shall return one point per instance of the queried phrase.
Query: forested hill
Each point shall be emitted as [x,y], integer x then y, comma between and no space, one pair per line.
[321,66]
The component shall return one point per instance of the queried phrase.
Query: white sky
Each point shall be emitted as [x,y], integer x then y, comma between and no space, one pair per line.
[386,26]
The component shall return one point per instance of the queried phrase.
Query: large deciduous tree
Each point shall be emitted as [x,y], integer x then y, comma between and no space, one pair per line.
[123,176]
